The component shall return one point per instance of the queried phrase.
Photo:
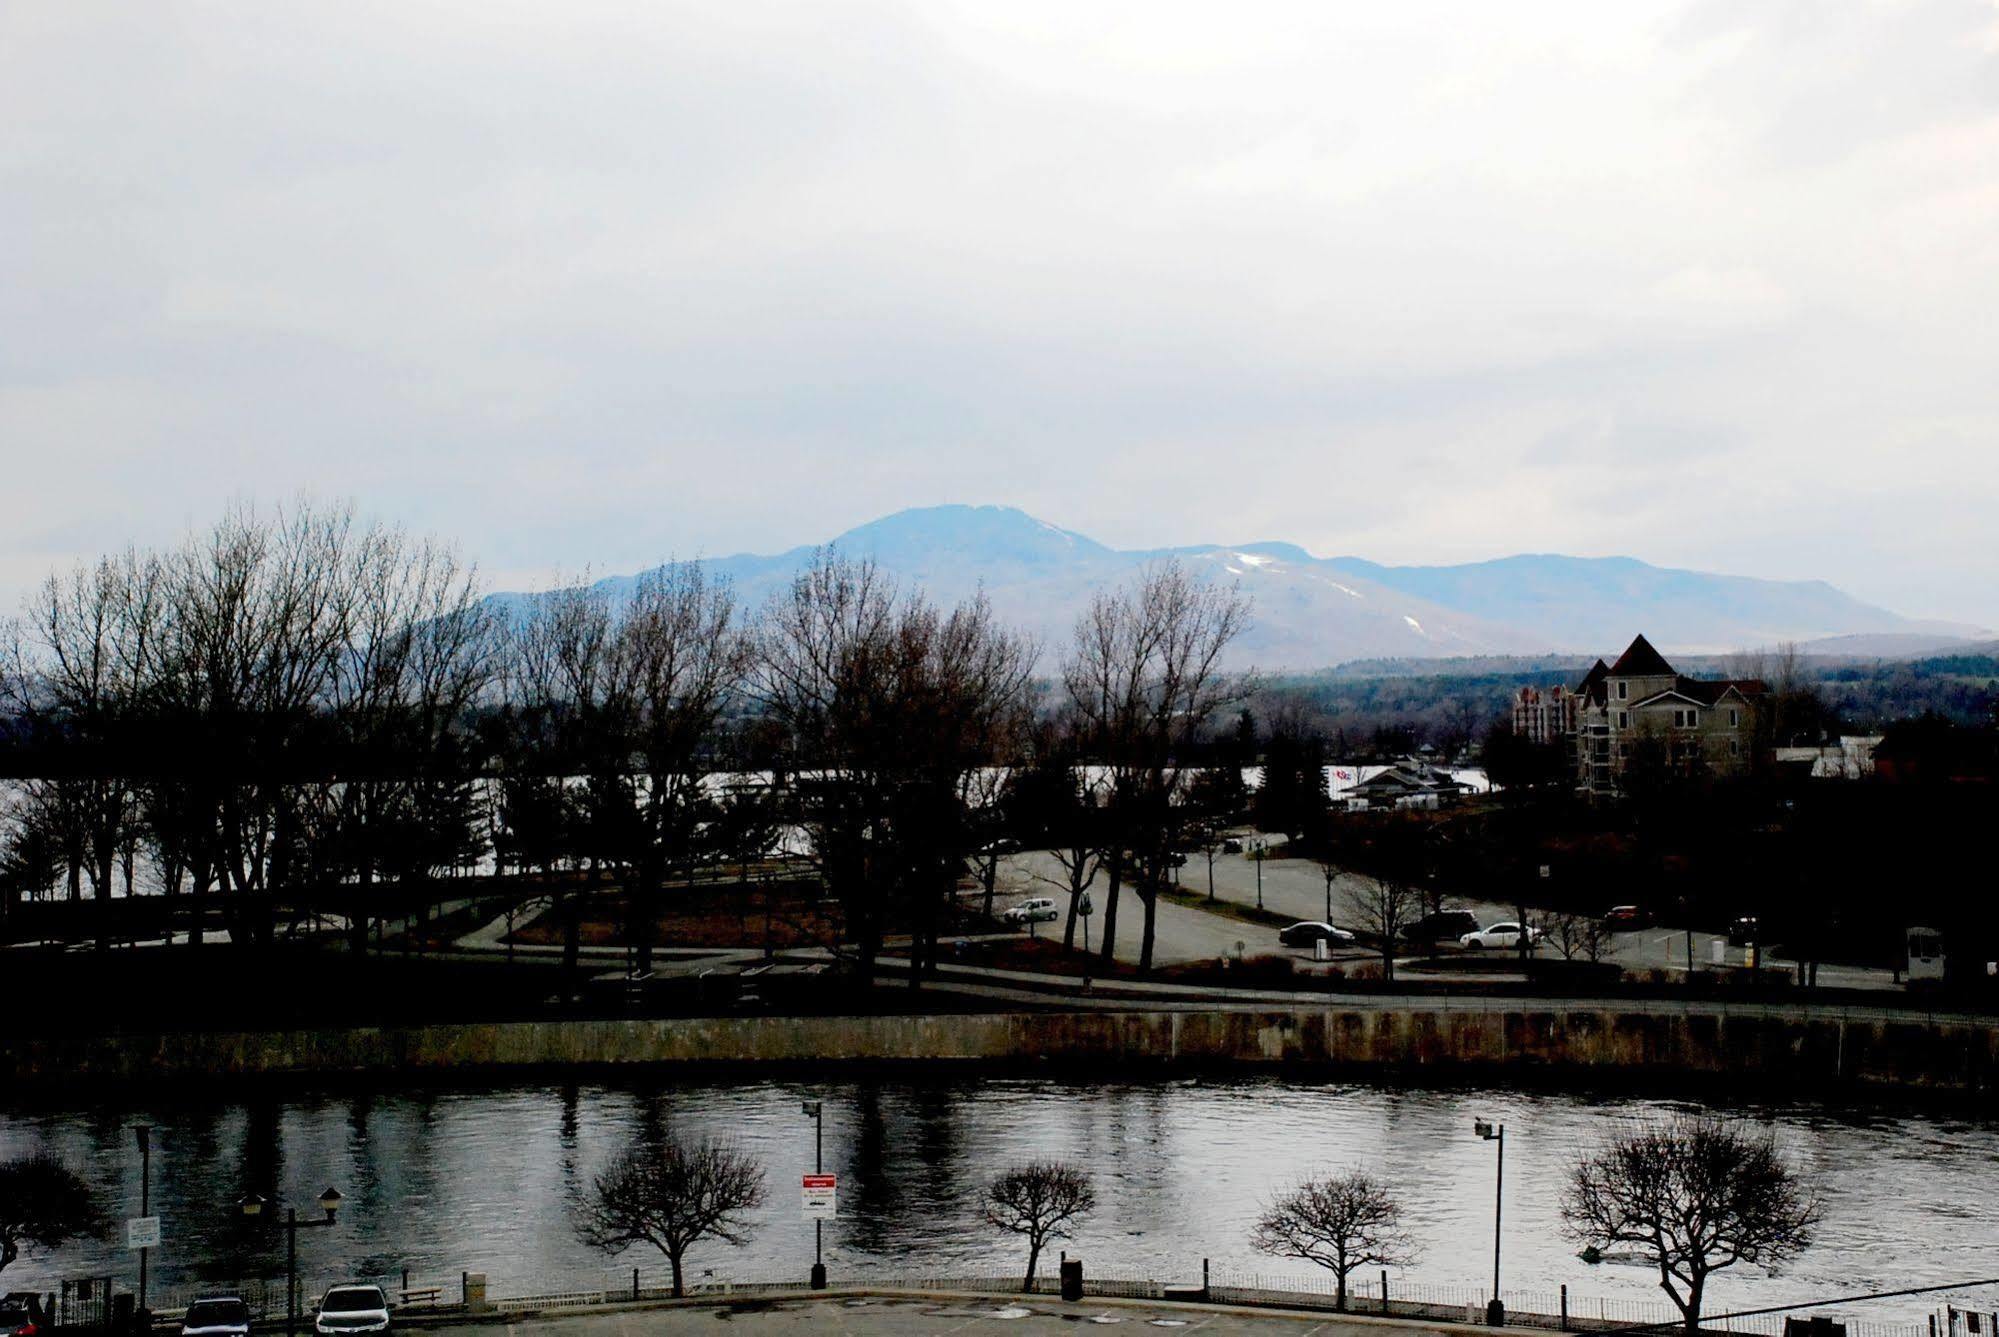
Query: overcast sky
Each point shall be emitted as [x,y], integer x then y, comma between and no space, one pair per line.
[1710,284]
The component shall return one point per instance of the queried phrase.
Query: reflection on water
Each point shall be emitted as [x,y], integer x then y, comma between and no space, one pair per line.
[438,1181]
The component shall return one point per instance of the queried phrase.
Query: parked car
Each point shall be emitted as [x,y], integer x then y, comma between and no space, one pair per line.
[1309,931]
[1039,910]
[1506,933]
[1231,846]
[348,1309]
[1444,924]
[216,1316]
[1622,917]
[17,1318]
[1743,931]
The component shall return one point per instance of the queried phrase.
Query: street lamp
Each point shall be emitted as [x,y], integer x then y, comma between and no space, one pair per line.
[144,1134]
[1495,1312]
[815,1110]
[1256,856]
[252,1206]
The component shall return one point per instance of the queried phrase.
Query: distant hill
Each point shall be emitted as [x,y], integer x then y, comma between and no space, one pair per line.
[1314,612]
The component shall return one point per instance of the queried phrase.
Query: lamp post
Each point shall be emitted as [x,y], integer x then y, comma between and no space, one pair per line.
[1495,1312]
[815,1110]
[253,1204]
[1256,857]
[144,1134]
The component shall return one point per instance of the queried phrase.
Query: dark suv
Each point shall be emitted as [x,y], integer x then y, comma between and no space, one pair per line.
[1444,925]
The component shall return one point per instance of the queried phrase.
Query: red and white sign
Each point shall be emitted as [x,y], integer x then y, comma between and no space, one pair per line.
[819,1195]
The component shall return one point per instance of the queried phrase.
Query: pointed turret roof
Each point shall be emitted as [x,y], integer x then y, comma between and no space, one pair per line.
[1640,660]
[1591,687]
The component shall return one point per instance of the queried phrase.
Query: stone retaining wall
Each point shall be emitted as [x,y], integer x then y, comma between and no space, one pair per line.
[1920,1051]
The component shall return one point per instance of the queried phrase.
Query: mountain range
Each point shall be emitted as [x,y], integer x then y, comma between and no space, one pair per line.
[1315,612]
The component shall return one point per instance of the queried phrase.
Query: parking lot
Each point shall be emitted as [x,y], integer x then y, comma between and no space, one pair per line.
[919,1317]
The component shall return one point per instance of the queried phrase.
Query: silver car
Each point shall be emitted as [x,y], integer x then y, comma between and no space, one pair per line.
[216,1316]
[350,1309]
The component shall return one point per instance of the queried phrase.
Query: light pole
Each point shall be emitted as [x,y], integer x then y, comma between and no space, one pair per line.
[1495,1312]
[1256,857]
[144,1134]
[815,1110]
[253,1205]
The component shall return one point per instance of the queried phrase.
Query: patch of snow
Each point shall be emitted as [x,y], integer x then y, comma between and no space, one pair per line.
[1417,626]
[1347,590]
[1252,559]
[1232,570]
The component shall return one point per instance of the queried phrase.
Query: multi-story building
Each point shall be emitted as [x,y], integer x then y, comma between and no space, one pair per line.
[1544,714]
[1617,710]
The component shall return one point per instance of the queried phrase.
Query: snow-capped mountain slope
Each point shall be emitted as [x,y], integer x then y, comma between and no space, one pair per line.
[1313,612]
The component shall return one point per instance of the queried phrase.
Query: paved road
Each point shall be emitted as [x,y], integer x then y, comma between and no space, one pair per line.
[917,1317]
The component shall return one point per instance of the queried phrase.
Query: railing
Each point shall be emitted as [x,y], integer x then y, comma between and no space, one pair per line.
[1559,1312]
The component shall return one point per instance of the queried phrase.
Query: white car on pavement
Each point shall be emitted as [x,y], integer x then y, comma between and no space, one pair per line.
[352,1309]
[1040,910]
[1506,933]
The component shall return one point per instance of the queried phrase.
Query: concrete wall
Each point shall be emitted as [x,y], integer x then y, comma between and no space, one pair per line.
[1784,1045]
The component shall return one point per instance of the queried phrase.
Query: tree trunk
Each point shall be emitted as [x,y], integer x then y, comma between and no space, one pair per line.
[678,1288]
[641,887]
[357,912]
[1107,947]
[1150,902]
[1033,1257]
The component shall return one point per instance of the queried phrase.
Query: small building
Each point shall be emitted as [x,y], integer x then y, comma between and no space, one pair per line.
[1851,758]
[1410,783]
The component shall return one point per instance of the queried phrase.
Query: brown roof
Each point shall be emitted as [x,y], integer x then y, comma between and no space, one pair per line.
[1640,660]
[1591,687]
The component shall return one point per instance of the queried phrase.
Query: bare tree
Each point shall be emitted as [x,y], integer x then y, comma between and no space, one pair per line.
[1340,1222]
[77,673]
[1380,906]
[888,703]
[671,1194]
[1694,1195]
[560,723]
[678,660]
[1579,935]
[419,654]
[1041,1200]
[43,1204]
[1144,673]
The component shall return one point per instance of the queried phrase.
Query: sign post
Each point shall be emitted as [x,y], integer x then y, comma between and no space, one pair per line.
[820,1197]
[142,1232]
[819,1192]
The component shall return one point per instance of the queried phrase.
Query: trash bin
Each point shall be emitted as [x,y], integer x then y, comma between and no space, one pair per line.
[1319,950]
[1072,1279]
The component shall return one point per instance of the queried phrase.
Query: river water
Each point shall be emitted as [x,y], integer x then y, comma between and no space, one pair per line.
[444,1180]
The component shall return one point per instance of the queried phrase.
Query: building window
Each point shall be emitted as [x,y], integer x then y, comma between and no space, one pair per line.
[1734,748]
[1623,720]
[1686,719]
[1623,689]
[1735,719]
